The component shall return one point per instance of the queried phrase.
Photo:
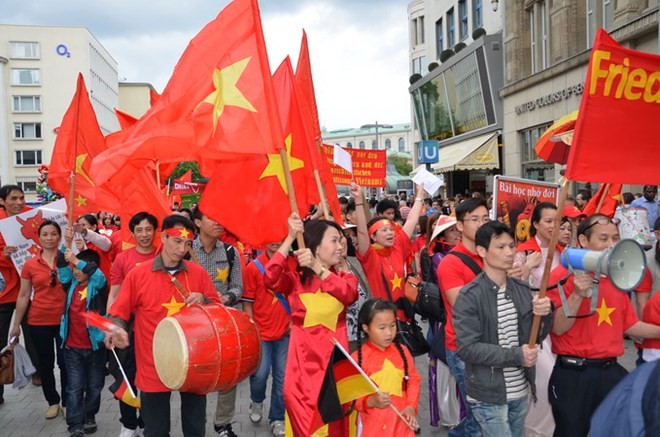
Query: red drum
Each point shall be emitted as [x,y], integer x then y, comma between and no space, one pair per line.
[206,348]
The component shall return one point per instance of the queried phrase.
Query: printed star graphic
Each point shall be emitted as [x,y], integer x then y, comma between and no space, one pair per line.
[80,200]
[80,160]
[221,274]
[226,92]
[173,306]
[275,299]
[396,281]
[185,233]
[322,309]
[389,378]
[604,313]
[83,293]
[275,168]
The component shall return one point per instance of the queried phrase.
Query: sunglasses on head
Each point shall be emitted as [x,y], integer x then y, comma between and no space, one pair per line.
[53,278]
[603,221]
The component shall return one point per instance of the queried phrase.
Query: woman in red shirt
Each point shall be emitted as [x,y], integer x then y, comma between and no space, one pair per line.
[45,314]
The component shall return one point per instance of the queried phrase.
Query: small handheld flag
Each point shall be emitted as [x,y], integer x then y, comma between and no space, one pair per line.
[98,321]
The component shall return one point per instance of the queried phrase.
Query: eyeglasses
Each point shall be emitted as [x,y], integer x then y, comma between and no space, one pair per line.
[602,221]
[476,220]
[53,278]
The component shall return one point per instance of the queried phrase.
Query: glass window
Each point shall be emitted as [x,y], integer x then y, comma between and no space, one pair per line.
[402,145]
[24,50]
[388,144]
[27,183]
[439,36]
[361,145]
[26,104]
[600,13]
[421,29]
[27,131]
[477,19]
[349,145]
[374,145]
[414,32]
[451,27]
[534,167]
[25,76]
[538,22]
[463,14]
[28,157]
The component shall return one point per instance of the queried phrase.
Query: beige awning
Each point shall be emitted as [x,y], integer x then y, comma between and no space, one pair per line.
[478,153]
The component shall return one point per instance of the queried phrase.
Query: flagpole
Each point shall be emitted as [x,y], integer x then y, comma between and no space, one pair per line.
[292,194]
[319,185]
[158,173]
[123,374]
[554,238]
[606,189]
[72,186]
[371,383]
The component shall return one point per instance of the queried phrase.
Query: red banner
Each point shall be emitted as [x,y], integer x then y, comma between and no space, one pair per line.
[369,167]
[616,135]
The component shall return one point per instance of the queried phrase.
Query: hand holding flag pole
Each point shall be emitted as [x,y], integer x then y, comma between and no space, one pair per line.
[373,384]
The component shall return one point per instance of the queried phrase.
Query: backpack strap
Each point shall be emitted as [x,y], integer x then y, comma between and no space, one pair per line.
[230,252]
[279,296]
[467,261]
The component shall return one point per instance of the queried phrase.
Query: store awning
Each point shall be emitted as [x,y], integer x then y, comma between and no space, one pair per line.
[478,153]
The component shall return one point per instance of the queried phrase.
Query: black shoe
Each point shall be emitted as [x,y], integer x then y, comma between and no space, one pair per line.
[90,426]
[225,430]
[77,433]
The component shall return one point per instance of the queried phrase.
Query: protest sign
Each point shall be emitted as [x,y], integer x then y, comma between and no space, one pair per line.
[369,167]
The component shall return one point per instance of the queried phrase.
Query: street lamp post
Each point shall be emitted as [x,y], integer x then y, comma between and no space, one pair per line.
[376,125]
[4,146]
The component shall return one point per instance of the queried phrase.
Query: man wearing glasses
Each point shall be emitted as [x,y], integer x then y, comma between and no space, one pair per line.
[588,343]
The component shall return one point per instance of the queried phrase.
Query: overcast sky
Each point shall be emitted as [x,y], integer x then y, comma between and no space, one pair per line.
[358,47]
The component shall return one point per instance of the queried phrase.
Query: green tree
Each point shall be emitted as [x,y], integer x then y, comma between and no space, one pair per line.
[403,165]
[183,167]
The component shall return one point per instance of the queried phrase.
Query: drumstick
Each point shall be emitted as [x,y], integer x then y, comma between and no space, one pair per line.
[179,286]
[123,374]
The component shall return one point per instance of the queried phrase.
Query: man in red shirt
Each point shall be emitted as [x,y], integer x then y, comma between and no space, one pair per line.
[587,345]
[149,295]
[272,314]
[143,228]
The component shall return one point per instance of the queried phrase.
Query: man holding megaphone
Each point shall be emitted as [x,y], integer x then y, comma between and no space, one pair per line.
[590,321]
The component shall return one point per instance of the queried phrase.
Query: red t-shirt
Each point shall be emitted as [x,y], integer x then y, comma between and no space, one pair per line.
[419,243]
[601,334]
[77,334]
[125,262]
[269,314]
[452,272]
[151,296]
[652,315]
[48,302]
[12,278]
[375,264]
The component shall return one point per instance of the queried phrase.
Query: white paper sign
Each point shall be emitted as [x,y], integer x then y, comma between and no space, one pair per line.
[22,230]
[428,180]
[343,159]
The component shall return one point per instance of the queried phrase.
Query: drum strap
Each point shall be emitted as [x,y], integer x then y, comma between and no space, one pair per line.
[279,296]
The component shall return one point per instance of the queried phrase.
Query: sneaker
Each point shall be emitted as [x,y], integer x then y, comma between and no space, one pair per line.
[256,411]
[277,428]
[225,430]
[126,432]
[90,426]
[77,433]
[53,411]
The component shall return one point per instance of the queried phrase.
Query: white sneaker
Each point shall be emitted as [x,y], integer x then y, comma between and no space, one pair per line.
[277,428]
[256,411]
[125,432]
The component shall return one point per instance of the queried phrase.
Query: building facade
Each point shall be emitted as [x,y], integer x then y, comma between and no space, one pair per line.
[135,97]
[375,136]
[38,70]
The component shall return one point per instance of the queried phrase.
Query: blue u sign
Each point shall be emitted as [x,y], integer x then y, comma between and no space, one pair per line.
[427,152]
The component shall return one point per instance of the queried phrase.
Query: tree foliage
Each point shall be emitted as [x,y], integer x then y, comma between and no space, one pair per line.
[403,165]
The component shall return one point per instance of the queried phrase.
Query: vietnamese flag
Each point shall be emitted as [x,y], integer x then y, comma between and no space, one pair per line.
[79,140]
[260,204]
[219,102]
[125,119]
[305,86]
[616,135]
[612,193]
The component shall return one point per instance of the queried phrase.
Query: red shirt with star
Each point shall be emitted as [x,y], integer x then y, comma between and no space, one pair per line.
[376,264]
[48,301]
[126,261]
[601,334]
[77,334]
[452,273]
[386,368]
[318,313]
[149,294]
[269,314]
[12,278]
[652,315]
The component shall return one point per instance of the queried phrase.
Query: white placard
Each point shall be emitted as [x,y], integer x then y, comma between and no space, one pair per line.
[428,180]
[343,159]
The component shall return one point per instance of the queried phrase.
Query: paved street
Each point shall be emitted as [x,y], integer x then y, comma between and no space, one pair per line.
[23,411]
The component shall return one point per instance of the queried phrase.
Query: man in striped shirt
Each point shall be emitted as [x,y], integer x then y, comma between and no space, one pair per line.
[493,318]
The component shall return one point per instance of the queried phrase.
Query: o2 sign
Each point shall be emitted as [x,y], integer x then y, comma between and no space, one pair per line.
[63,50]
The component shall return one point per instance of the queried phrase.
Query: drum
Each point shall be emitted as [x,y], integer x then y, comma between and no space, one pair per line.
[206,348]
[635,225]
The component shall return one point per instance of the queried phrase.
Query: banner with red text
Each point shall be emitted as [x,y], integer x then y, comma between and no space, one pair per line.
[514,200]
[369,167]
[616,135]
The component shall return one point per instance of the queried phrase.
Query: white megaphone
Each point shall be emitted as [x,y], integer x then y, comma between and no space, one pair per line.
[624,263]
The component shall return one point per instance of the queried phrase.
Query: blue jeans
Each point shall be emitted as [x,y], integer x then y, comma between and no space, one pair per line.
[468,426]
[507,420]
[86,376]
[273,353]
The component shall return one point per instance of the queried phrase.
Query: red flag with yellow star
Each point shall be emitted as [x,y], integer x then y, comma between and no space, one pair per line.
[612,193]
[218,103]
[78,141]
[259,207]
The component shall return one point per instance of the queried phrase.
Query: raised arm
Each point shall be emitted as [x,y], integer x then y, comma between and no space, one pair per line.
[415,211]
[362,233]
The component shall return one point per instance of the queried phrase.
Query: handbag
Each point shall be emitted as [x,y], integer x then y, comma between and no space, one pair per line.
[7,365]
[425,299]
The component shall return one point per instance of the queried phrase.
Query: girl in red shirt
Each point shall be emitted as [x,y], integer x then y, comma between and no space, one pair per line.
[40,273]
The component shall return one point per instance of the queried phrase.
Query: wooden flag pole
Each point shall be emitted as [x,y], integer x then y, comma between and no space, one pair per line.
[158,174]
[319,185]
[602,198]
[548,260]
[292,194]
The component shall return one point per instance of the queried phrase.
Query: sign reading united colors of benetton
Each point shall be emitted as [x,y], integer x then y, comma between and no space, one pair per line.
[616,136]
[369,167]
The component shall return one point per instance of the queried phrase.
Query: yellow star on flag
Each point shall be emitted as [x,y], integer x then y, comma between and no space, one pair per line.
[389,378]
[275,168]
[80,200]
[396,281]
[83,293]
[322,309]
[173,306]
[226,92]
[221,274]
[80,160]
[604,313]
